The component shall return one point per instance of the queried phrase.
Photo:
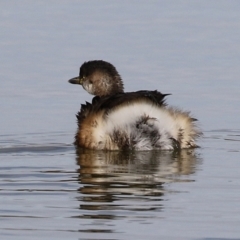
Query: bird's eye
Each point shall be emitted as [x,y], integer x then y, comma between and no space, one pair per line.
[90,81]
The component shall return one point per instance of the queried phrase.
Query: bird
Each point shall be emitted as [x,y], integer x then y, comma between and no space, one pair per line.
[118,120]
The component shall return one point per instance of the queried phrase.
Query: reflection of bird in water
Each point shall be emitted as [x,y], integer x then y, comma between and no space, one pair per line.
[139,173]
[135,120]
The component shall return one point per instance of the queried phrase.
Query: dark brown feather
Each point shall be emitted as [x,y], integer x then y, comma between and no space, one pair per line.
[108,103]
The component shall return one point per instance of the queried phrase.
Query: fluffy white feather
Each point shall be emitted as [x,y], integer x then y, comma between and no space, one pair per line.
[169,122]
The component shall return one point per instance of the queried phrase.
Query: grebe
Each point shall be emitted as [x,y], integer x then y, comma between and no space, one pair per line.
[116,120]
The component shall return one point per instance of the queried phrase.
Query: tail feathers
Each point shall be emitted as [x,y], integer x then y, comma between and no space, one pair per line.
[148,133]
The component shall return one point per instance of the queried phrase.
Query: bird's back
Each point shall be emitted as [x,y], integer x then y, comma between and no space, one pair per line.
[135,120]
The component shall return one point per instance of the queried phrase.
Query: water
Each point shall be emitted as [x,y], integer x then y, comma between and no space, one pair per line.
[49,190]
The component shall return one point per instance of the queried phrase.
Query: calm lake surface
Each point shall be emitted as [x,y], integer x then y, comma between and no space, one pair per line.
[50,190]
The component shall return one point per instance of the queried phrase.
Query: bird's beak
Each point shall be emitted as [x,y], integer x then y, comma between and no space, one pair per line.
[76,80]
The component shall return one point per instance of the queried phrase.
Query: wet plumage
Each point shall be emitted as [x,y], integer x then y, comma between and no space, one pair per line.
[140,120]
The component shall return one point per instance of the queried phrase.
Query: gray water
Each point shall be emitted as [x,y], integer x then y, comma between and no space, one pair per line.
[48,190]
